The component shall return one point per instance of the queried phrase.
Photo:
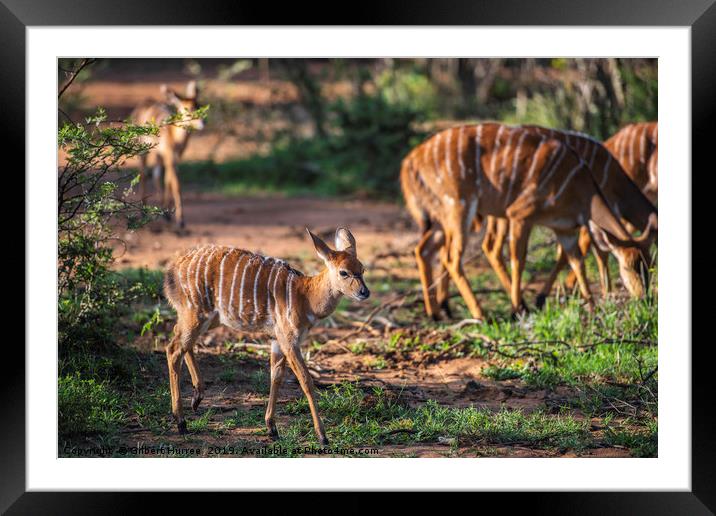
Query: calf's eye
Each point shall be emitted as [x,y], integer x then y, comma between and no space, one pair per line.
[343,274]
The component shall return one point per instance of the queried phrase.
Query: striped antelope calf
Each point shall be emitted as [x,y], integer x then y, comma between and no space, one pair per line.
[624,198]
[212,285]
[170,143]
[506,172]
[636,146]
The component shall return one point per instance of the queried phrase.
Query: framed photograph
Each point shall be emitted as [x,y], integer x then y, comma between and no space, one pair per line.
[429,239]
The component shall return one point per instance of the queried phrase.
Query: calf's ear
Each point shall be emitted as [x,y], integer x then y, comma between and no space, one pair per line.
[322,250]
[345,241]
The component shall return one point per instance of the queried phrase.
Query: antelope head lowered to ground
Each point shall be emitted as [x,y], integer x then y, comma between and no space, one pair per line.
[212,285]
[512,173]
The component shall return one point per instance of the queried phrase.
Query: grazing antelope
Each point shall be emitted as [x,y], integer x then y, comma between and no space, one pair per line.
[624,198]
[636,146]
[513,173]
[212,285]
[170,143]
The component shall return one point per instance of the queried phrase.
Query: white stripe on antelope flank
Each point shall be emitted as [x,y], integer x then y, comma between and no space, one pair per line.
[190,291]
[515,164]
[233,286]
[622,143]
[194,288]
[617,145]
[221,280]
[289,296]
[448,162]
[495,150]
[533,162]
[436,163]
[557,162]
[200,295]
[205,260]
[478,156]
[642,145]
[568,179]
[243,281]
[460,137]
[180,275]
[606,170]
[206,277]
[630,150]
[506,155]
[427,148]
[594,154]
[256,290]
[653,171]
[275,299]
[268,288]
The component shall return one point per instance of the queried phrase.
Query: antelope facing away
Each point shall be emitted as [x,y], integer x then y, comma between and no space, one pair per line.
[212,285]
[624,198]
[507,172]
[636,146]
[170,143]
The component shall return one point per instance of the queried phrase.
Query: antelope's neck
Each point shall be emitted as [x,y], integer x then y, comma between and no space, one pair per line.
[180,137]
[320,298]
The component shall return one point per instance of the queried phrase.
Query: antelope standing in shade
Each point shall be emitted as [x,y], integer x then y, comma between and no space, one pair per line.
[212,285]
[624,198]
[636,146]
[513,173]
[170,143]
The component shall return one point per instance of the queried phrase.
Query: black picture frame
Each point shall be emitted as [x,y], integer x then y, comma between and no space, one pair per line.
[699,15]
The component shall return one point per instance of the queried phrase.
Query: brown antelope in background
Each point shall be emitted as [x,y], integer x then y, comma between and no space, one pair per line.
[170,143]
[212,285]
[624,198]
[636,146]
[513,173]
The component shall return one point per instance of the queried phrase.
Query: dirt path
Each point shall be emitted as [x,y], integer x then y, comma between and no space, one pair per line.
[272,226]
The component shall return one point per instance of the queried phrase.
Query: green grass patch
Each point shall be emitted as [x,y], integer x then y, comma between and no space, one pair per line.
[356,418]
[642,442]
[86,406]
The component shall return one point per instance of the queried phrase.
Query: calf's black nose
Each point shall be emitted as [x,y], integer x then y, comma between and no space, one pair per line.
[364,292]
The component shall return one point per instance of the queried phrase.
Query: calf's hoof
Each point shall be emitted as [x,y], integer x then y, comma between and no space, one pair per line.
[323,440]
[446,309]
[541,300]
[181,427]
[195,400]
[272,431]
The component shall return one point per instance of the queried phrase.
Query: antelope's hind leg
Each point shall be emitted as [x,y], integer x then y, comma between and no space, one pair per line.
[575,258]
[186,331]
[196,378]
[441,276]
[174,356]
[424,255]
[519,237]
[452,257]
[546,289]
